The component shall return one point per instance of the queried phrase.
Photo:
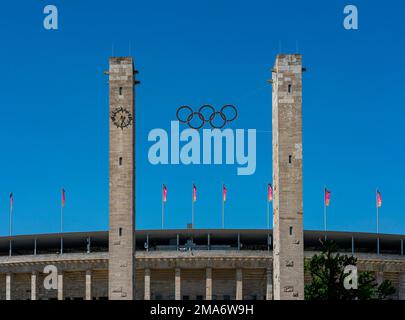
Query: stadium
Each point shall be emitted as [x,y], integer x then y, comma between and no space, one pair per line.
[178,264]
[124,263]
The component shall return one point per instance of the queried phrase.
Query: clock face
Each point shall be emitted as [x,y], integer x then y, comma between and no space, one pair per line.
[121,117]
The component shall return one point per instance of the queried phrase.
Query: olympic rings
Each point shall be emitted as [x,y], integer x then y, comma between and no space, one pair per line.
[203,117]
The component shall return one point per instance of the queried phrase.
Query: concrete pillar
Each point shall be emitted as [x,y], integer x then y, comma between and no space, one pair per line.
[8,286]
[121,116]
[147,284]
[34,286]
[239,284]
[288,238]
[401,293]
[269,284]
[379,276]
[60,286]
[177,284]
[352,245]
[208,284]
[88,285]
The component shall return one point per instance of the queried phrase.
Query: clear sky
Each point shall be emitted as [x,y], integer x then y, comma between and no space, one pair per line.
[54,108]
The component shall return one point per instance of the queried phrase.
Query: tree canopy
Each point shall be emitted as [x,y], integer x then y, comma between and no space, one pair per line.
[327,271]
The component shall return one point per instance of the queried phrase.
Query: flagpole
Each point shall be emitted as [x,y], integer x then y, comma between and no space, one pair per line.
[377,221]
[378,238]
[61,227]
[192,205]
[163,213]
[376,204]
[223,214]
[11,220]
[223,208]
[61,218]
[324,207]
[11,226]
[268,211]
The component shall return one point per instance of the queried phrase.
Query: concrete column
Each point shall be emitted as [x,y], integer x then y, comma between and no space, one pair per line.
[352,245]
[8,286]
[269,284]
[33,285]
[239,284]
[147,284]
[60,286]
[208,284]
[401,293]
[379,276]
[177,284]
[88,284]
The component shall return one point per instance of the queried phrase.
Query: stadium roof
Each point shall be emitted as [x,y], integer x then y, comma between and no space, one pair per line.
[204,239]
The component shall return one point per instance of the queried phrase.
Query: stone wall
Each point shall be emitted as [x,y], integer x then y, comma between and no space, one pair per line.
[21,287]
[288,244]
[162,284]
[193,270]
[139,284]
[74,285]
[121,179]
[193,283]
[2,286]
[223,284]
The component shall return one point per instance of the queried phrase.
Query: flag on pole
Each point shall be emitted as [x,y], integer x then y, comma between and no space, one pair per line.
[164,194]
[63,198]
[194,193]
[379,199]
[224,193]
[269,193]
[327,197]
[11,201]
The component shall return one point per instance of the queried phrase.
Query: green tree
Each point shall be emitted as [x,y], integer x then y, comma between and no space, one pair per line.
[327,274]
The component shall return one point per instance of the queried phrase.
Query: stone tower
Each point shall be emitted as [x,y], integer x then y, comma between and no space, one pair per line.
[121,268]
[288,249]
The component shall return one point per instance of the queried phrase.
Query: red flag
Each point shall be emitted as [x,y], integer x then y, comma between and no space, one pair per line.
[223,193]
[379,199]
[327,197]
[11,201]
[194,193]
[164,194]
[269,193]
[63,197]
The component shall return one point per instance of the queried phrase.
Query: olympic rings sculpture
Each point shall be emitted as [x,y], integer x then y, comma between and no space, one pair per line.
[203,119]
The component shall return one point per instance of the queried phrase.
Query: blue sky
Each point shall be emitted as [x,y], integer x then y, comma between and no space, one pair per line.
[54,108]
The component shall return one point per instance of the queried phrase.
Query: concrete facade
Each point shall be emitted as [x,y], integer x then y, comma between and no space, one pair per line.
[122,179]
[288,246]
[198,275]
